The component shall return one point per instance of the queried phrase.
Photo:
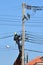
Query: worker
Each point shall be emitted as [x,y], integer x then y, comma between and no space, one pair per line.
[17,38]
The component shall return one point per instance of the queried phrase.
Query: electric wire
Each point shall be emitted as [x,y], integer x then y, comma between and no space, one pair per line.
[9,49]
[13,25]
[27,35]
[34,39]
[27,39]
[31,25]
[17,20]
[9,21]
[4,37]
[34,51]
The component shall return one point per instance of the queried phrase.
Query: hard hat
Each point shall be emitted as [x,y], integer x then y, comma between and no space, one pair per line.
[15,33]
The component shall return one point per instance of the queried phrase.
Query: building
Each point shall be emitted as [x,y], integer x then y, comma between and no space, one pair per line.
[36,61]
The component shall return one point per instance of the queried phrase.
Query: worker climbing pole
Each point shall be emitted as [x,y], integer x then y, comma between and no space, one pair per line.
[17,38]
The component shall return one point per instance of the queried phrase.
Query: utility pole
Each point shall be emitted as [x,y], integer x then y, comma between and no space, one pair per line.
[23,32]
[24,6]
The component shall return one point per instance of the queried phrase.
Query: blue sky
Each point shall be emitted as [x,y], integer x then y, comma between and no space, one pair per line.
[11,21]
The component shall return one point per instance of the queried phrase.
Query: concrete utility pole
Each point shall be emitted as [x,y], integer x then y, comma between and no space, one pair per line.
[23,32]
[24,6]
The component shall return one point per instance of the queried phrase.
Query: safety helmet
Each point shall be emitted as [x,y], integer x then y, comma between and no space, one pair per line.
[15,33]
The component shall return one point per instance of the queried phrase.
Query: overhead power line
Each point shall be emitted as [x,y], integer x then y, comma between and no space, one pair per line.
[18,20]
[32,38]
[9,49]
[34,51]
[28,38]
[7,20]
[35,21]
[9,15]
[9,24]
[4,37]
[15,16]
[13,25]
[19,17]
